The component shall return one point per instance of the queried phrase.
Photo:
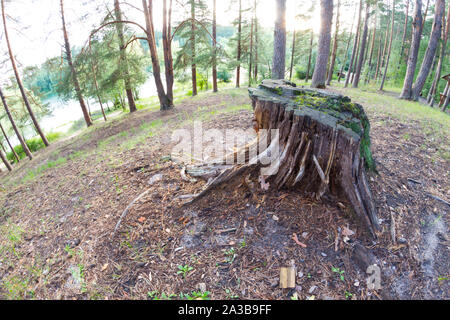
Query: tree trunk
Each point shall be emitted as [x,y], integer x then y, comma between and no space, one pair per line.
[164,101]
[5,161]
[307,149]
[425,15]
[320,70]
[335,45]
[76,84]
[238,57]
[390,47]
[370,65]
[9,144]
[413,51]
[405,29]
[193,53]
[167,48]
[362,48]
[292,55]
[279,43]
[446,25]
[123,57]
[214,62]
[355,46]
[19,80]
[16,130]
[250,67]
[431,50]
[344,61]
[255,73]
[310,55]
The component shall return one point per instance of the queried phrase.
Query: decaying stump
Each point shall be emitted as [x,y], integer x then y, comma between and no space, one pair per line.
[323,146]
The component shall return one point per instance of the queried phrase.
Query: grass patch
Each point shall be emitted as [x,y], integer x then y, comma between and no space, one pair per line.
[32,174]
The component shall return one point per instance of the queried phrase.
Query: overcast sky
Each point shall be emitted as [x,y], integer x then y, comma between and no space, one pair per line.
[35,25]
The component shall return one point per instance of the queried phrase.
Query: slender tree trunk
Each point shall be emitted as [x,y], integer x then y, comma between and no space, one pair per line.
[390,47]
[413,52]
[19,80]
[76,84]
[193,53]
[292,55]
[97,90]
[167,48]
[238,56]
[355,61]
[123,57]
[279,44]
[362,48]
[431,50]
[5,161]
[9,144]
[383,55]
[355,45]
[437,77]
[372,46]
[14,126]
[335,45]
[214,60]
[250,67]
[164,101]
[344,61]
[405,29]
[311,40]
[255,73]
[323,53]
[425,15]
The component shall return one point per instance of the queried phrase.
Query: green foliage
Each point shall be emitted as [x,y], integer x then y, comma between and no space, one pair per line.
[34,145]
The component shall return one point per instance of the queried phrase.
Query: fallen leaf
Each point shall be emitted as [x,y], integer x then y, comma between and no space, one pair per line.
[105,266]
[347,232]
[142,219]
[301,244]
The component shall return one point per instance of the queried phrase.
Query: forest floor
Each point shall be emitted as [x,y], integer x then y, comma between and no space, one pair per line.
[58,213]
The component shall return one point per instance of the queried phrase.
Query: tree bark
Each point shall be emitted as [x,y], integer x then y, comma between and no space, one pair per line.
[76,84]
[425,15]
[413,51]
[344,61]
[193,53]
[405,29]
[279,44]
[431,50]
[335,45]
[446,25]
[292,55]
[123,64]
[250,59]
[362,48]
[164,101]
[19,80]
[310,55]
[255,73]
[214,34]
[14,126]
[390,47]
[167,48]
[355,46]
[320,70]
[239,49]
[5,161]
[9,144]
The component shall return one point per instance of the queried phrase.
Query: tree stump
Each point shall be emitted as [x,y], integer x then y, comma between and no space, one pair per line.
[322,145]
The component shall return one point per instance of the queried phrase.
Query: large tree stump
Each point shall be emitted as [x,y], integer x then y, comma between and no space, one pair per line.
[323,141]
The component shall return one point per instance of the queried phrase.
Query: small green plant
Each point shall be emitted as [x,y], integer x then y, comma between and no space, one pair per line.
[183,270]
[230,255]
[348,295]
[230,295]
[339,272]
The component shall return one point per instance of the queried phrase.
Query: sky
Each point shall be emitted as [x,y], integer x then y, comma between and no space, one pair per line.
[35,25]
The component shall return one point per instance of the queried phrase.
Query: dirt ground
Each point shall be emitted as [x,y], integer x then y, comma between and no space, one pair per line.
[57,224]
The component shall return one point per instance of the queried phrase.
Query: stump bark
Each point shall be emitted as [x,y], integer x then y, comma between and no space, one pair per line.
[322,145]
